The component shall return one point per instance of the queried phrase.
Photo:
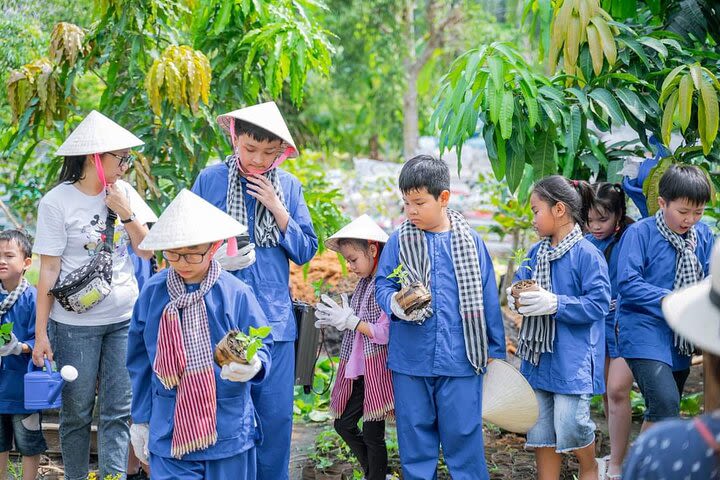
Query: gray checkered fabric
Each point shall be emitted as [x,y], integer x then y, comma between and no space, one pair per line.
[13,296]
[538,331]
[416,261]
[688,269]
[267,232]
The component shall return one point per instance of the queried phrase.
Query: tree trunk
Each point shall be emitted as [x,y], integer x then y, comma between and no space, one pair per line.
[411,132]
[374,147]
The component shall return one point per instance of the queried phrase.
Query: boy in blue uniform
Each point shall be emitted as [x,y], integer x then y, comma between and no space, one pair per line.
[657,255]
[17,306]
[191,419]
[438,354]
[250,188]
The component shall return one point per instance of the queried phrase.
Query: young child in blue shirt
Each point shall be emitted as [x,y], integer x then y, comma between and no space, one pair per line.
[191,418]
[606,223]
[562,337]
[18,425]
[438,354]
[657,255]
[250,187]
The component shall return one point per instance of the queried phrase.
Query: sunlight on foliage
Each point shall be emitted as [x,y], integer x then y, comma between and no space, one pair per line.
[182,76]
[33,83]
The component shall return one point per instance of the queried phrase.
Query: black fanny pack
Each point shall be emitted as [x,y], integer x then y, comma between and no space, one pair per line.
[85,287]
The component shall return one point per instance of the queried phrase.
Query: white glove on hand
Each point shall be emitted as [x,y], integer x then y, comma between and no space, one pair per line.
[241,372]
[540,302]
[328,312]
[510,299]
[244,258]
[139,438]
[397,310]
[12,347]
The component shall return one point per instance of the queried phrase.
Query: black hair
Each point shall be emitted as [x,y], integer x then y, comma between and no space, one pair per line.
[253,131]
[72,169]
[685,181]
[577,195]
[425,171]
[20,238]
[609,198]
[361,244]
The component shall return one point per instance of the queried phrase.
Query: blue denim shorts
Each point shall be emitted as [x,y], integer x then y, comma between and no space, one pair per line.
[25,429]
[563,423]
[660,387]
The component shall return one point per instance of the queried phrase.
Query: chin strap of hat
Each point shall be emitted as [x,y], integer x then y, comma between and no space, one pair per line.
[99,169]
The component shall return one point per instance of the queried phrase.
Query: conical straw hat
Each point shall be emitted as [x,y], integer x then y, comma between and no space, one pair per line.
[363,228]
[265,115]
[190,220]
[508,399]
[97,134]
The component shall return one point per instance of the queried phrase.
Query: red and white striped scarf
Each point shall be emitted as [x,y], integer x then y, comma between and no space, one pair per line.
[379,401]
[184,359]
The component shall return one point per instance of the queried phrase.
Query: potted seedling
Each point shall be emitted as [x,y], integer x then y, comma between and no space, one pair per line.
[5,333]
[519,258]
[240,347]
[413,295]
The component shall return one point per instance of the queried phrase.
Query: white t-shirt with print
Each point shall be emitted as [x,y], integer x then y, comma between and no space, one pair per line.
[70,224]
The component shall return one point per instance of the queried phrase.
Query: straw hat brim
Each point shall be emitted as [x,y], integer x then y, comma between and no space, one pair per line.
[97,134]
[264,115]
[508,399]
[362,228]
[692,314]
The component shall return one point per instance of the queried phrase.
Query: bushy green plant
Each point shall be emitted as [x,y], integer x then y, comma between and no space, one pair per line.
[5,331]
[313,406]
[252,341]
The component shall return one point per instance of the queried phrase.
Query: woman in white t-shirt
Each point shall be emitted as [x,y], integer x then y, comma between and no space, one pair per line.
[71,224]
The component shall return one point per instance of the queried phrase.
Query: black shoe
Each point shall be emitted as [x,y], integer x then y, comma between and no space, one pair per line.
[140,475]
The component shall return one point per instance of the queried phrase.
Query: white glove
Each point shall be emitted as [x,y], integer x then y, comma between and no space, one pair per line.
[12,347]
[398,311]
[328,312]
[244,258]
[139,438]
[510,299]
[241,372]
[539,302]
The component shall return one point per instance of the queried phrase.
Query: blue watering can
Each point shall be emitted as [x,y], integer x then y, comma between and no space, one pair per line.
[42,388]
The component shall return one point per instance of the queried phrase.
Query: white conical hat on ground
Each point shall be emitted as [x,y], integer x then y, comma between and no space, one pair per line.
[694,312]
[508,399]
[363,228]
[265,115]
[97,134]
[190,220]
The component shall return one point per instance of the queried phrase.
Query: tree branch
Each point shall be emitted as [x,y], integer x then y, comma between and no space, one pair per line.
[436,35]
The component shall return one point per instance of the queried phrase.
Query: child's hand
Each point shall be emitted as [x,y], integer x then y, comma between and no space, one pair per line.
[240,372]
[262,190]
[328,312]
[244,258]
[139,438]
[539,302]
[12,347]
[398,311]
[510,299]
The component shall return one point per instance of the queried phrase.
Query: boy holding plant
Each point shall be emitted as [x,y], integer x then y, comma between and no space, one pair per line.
[438,353]
[17,311]
[191,418]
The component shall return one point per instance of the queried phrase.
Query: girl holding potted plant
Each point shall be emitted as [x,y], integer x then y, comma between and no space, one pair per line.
[363,388]
[561,341]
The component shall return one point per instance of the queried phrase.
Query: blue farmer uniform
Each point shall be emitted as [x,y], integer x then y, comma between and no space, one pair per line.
[143,268]
[611,345]
[230,305]
[14,367]
[646,274]
[580,281]
[269,278]
[438,395]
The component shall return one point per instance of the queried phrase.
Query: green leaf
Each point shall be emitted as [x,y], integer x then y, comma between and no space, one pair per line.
[591,162]
[223,18]
[581,96]
[632,102]
[544,156]
[497,72]
[651,185]
[671,77]
[608,103]
[574,127]
[667,119]
[262,332]
[251,351]
[655,44]
[514,171]
[685,96]
[506,114]
[710,103]
[499,166]
[493,101]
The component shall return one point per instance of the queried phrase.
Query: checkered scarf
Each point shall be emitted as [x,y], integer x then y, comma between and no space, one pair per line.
[13,296]
[184,360]
[267,232]
[688,269]
[416,261]
[379,400]
[537,332]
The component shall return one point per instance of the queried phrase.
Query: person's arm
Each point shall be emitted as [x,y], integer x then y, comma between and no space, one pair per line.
[138,363]
[495,327]
[378,332]
[49,273]
[593,303]
[28,342]
[385,287]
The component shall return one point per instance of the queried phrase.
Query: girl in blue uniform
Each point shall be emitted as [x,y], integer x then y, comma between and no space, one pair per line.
[438,354]
[251,188]
[562,338]
[192,419]
[657,255]
[607,221]
[18,426]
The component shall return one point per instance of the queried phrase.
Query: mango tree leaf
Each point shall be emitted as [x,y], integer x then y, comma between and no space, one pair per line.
[514,171]
[685,96]
[506,114]
[667,119]
[651,185]
[607,101]
[544,156]
[632,102]
[573,127]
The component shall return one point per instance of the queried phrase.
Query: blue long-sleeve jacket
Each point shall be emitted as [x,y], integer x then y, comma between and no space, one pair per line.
[14,367]
[646,273]
[610,323]
[437,347]
[230,305]
[580,281]
[269,277]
